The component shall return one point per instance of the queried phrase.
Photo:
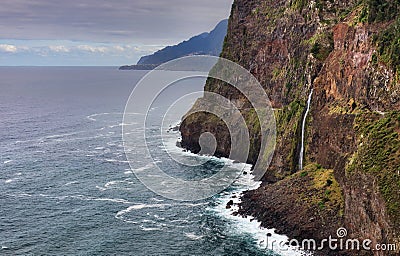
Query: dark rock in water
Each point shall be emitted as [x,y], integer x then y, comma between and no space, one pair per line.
[175,128]
[245,173]
[229,204]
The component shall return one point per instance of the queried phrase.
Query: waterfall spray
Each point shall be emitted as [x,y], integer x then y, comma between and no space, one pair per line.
[301,157]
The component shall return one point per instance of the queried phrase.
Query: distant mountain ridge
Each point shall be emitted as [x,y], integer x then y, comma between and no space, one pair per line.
[208,43]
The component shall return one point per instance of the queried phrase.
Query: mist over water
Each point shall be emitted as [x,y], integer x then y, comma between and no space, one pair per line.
[67,188]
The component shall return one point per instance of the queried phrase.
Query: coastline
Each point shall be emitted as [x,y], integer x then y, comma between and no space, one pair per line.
[267,238]
[230,200]
[288,206]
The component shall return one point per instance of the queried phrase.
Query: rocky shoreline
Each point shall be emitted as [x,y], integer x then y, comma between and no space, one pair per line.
[285,206]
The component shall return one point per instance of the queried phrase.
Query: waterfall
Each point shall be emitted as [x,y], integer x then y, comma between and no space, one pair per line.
[301,157]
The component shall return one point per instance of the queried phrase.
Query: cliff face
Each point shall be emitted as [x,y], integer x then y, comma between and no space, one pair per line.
[349,53]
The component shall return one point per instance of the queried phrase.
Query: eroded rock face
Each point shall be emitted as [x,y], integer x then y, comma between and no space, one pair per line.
[335,48]
[350,75]
[349,83]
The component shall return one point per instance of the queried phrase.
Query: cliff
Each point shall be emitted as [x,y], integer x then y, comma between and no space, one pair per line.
[349,53]
[208,43]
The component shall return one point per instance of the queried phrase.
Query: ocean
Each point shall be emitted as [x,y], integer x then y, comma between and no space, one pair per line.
[66,187]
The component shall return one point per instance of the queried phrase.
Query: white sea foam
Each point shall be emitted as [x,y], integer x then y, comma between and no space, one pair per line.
[122,124]
[70,183]
[194,204]
[157,200]
[58,136]
[76,197]
[144,168]
[89,198]
[57,139]
[148,221]
[180,221]
[101,188]
[150,229]
[22,195]
[193,236]
[114,200]
[139,207]
[116,161]
[114,184]
[249,225]
[93,116]
[158,217]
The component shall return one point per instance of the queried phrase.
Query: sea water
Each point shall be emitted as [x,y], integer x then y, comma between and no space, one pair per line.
[66,187]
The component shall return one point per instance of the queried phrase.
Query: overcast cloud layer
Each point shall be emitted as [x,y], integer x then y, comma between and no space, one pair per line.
[141,21]
[99,32]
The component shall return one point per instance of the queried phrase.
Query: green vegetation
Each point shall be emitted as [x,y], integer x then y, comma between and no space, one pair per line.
[294,109]
[380,10]
[254,128]
[278,73]
[345,106]
[320,52]
[388,46]
[299,4]
[322,46]
[287,121]
[379,155]
[344,13]
[303,174]
[324,191]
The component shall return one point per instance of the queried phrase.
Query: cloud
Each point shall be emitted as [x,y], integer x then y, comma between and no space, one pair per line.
[93,49]
[48,48]
[59,48]
[8,48]
[119,21]
[70,53]
[119,48]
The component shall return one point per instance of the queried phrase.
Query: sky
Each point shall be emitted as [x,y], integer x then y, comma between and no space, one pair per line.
[99,32]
